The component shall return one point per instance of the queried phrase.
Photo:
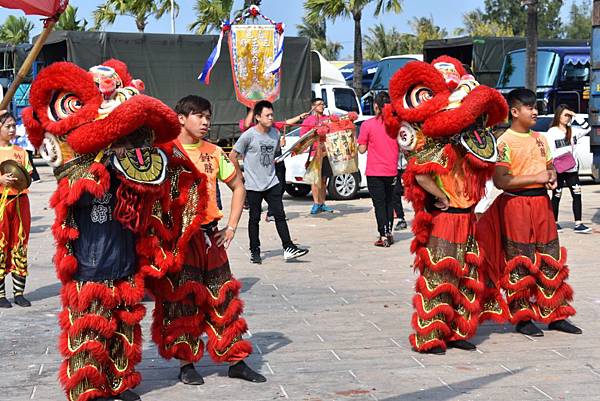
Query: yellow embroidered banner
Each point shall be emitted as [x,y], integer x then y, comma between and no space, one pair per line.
[253,49]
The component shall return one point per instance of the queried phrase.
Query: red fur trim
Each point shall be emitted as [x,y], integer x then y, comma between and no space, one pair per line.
[421,287]
[233,311]
[215,343]
[413,74]
[35,131]
[442,308]
[133,316]
[443,327]
[436,342]
[563,293]
[232,286]
[560,313]
[525,282]
[481,100]
[523,314]
[390,118]
[88,373]
[421,227]
[468,327]
[560,277]
[448,264]
[65,77]
[121,70]
[96,323]
[492,293]
[237,352]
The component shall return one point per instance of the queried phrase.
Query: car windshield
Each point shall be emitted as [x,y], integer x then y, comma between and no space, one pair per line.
[345,99]
[542,124]
[514,69]
[386,70]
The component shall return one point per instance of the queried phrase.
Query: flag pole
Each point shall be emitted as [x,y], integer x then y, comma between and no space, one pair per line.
[26,67]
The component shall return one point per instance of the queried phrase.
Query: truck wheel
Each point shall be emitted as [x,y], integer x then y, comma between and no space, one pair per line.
[343,187]
[297,190]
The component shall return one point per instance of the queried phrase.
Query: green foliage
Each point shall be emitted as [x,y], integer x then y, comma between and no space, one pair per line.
[317,33]
[333,9]
[211,13]
[511,14]
[475,24]
[580,21]
[380,43]
[15,30]
[140,10]
[68,21]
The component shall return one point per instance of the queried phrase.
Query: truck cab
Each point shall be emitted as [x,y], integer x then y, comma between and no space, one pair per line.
[329,84]
[381,81]
[563,76]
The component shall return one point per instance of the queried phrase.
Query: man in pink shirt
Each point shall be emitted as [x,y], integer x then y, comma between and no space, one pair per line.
[318,191]
[382,162]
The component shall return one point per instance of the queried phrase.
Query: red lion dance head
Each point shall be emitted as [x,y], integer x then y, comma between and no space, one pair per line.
[443,120]
[76,112]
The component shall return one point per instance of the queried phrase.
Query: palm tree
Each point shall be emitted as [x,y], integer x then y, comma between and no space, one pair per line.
[15,30]
[211,13]
[140,10]
[380,43]
[68,21]
[319,9]
[475,24]
[317,33]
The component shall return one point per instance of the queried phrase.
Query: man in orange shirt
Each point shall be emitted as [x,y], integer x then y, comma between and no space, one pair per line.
[15,220]
[533,267]
[202,296]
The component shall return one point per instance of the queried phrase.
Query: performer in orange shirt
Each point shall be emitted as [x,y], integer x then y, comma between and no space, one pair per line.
[15,219]
[201,295]
[443,120]
[531,263]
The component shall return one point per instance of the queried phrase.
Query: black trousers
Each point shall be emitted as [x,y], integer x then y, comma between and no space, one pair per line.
[280,173]
[570,180]
[35,176]
[381,190]
[273,198]
[398,192]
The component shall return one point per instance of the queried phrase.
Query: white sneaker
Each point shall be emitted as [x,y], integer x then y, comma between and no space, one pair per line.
[293,252]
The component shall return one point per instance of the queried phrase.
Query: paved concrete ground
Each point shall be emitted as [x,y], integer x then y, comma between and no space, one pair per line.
[332,326]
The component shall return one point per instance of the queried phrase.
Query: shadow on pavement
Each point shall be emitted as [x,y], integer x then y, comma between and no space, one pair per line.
[453,390]
[264,343]
[248,283]
[48,291]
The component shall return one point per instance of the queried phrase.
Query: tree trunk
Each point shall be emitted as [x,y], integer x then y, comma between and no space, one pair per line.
[531,44]
[140,22]
[358,56]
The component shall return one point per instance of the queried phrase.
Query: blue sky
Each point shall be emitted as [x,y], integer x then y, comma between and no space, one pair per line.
[447,14]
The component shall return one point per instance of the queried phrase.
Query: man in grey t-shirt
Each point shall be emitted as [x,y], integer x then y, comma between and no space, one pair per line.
[257,147]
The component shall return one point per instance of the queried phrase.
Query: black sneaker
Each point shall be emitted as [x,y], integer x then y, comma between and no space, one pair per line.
[5,303]
[564,326]
[242,371]
[401,225]
[529,329]
[559,228]
[582,229]
[255,257]
[189,375]
[22,301]
[293,252]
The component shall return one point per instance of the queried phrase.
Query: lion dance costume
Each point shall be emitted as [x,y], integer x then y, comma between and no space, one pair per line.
[97,131]
[443,121]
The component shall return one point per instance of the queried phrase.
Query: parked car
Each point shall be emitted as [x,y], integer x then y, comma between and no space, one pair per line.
[581,128]
[340,187]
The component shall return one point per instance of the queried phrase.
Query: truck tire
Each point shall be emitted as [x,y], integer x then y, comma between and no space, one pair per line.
[297,190]
[344,187]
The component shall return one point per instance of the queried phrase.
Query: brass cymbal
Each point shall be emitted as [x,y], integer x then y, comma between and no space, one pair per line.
[23,179]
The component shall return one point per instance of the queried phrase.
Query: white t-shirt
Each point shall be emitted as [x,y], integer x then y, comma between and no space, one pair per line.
[557,141]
